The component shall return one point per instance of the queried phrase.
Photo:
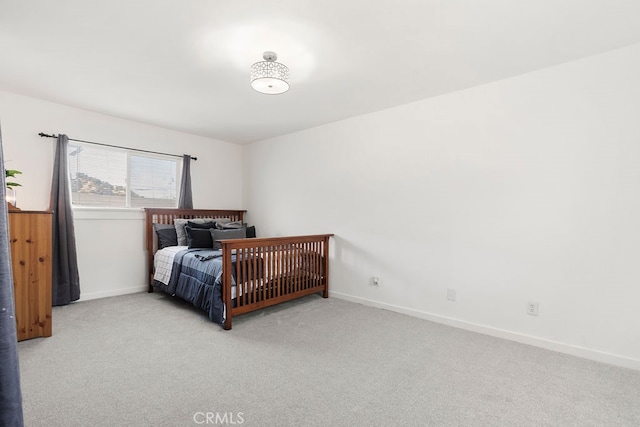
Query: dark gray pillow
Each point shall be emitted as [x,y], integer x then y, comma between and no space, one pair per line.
[198,238]
[201,225]
[180,223]
[216,235]
[251,232]
[166,235]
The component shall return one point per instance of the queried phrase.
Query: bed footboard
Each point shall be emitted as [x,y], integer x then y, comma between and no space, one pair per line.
[269,271]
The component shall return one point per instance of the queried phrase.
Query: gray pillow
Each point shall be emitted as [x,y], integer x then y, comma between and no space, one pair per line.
[199,238]
[230,224]
[166,235]
[203,225]
[180,223]
[216,235]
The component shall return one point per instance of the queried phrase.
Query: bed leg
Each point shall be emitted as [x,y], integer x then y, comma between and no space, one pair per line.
[227,320]
[325,293]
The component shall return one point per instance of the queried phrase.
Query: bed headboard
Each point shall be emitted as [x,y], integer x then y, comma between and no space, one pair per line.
[167,215]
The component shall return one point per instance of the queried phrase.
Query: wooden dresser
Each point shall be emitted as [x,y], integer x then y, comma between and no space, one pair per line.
[30,242]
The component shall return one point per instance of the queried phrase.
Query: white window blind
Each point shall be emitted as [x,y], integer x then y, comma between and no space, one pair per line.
[111,177]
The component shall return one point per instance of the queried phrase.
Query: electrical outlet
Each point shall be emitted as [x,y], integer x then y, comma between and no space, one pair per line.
[451,294]
[532,308]
[375,281]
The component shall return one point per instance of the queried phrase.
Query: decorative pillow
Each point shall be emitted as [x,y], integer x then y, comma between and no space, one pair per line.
[230,224]
[217,235]
[166,235]
[251,231]
[198,238]
[201,225]
[180,223]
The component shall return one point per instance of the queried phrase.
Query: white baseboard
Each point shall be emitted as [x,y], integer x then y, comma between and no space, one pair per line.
[111,293]
[573,350]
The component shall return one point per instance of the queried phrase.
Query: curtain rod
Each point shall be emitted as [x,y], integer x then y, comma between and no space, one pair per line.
[44,135]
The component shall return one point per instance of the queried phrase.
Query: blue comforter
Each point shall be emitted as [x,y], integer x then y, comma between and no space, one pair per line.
[196,277]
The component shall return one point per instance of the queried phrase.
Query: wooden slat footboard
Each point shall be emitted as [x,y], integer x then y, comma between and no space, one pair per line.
[269,271]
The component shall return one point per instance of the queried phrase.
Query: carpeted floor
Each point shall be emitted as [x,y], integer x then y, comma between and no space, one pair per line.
[149,360]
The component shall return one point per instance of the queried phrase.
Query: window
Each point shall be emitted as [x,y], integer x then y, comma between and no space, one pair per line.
[111,177]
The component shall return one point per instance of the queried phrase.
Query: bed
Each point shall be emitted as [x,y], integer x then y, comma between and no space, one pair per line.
[243,275]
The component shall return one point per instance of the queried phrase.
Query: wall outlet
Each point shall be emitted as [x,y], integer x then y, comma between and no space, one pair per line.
[375,281]
[532,308]
[451,294]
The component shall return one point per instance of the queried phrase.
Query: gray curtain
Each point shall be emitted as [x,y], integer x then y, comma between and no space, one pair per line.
[65,283]
[10,392]
[186,200]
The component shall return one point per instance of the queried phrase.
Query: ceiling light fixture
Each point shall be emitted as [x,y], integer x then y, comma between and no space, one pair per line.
[269,76]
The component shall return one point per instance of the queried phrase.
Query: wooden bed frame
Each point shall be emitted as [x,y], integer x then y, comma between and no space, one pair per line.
[268,270]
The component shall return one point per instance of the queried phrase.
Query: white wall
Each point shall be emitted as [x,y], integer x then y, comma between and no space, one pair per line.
[526,189]
[111,250]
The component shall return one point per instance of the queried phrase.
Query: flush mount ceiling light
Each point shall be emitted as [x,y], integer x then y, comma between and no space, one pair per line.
[269,76]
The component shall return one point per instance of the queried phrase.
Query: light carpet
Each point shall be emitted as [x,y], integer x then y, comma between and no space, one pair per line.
[150,360]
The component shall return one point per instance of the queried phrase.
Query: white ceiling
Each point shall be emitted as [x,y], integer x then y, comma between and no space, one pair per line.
[184,64]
